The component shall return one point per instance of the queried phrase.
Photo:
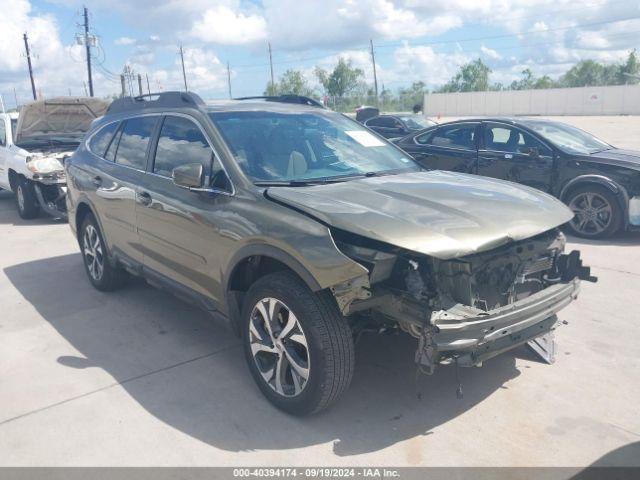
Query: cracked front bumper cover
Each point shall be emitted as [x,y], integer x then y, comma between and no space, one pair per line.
[472,336]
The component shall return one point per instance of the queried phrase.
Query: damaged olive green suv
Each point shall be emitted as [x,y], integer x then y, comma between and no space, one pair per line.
[301,228]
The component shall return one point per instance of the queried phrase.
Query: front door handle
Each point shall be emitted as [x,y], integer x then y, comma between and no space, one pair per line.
[97,180]
[144,198]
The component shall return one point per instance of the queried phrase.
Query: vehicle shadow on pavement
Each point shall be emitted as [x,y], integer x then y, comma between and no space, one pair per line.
[189,372]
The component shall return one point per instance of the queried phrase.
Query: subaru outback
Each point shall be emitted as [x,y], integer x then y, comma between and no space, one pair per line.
[302,229]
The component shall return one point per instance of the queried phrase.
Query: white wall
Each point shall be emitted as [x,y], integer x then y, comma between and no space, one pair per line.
[613,100]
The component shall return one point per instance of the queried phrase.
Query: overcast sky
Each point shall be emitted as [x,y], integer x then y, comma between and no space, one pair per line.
[414,40]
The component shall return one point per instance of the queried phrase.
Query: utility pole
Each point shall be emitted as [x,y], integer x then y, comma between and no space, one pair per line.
[33,84]
[84,85]
[87,45]
[15,97]
[139,84]
[184,73]
[273,83]
[229,79]
[123,85]
[148,87]
[375,76]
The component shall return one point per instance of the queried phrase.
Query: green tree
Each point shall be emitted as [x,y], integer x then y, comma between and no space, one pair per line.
[544,82]
[292,82]
[630,70]
[525,83]
[343,79]
[413,95]
[472,77]
[584,73]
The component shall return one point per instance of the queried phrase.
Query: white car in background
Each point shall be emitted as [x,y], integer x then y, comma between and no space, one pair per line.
[33,146]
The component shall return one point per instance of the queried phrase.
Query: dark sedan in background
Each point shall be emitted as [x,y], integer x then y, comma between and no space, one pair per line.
[599,182]
[394,126]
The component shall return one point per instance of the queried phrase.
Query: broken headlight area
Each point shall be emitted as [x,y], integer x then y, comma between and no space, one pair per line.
[46,169]
[465,309]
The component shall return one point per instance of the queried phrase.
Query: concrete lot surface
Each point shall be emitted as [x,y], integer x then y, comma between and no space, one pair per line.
[137,377]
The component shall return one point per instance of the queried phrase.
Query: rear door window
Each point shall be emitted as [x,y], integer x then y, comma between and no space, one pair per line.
[134,141]
[459,135]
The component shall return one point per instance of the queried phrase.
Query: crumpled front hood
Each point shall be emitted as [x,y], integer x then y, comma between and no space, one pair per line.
[442,214]
[63,115]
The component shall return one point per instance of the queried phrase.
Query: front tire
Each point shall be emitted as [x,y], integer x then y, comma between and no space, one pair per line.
[298,346]
[597,213]
[26,201]
[102,272]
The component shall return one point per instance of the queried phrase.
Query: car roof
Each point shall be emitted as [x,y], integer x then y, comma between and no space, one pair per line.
[188,100]
[511,120]
[258,105]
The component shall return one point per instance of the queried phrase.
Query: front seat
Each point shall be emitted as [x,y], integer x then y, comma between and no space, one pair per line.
[297,165]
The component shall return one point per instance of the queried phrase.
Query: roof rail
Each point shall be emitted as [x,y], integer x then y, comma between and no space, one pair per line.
[156,100]
[300,99]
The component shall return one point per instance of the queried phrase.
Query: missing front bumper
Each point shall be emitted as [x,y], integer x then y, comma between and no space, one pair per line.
[470,337]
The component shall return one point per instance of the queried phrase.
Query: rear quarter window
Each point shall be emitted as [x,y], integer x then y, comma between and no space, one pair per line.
[101,140]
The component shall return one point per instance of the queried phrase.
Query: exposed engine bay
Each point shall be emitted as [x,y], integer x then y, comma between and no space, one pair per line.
[465,309]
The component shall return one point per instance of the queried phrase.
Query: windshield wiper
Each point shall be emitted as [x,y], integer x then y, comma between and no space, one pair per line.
[299,183]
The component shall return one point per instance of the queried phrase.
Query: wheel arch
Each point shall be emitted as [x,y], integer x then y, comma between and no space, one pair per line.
[252,263]
[614,187]
[13,178]
[84,208]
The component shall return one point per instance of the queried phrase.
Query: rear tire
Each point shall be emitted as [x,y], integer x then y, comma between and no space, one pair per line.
[597,212]
[307,337]
[101,270]
[26,201]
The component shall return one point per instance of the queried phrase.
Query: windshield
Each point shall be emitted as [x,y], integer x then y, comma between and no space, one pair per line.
[417,122]
[568,138]
[275,147]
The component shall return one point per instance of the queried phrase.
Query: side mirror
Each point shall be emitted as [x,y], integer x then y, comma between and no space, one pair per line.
[188,176]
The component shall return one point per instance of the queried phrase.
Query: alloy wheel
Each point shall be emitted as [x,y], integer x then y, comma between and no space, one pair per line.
[93,255]
[279,347]
[593,213]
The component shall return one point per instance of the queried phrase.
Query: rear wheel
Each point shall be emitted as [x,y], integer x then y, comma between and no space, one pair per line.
[102,273]
[298,346]
[26,201]
[597,213]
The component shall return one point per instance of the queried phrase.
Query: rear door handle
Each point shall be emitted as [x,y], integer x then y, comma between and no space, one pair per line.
[97,180]
[144,198]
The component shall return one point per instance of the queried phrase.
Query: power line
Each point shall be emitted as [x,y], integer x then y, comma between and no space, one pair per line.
[434,42]
[506,35]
